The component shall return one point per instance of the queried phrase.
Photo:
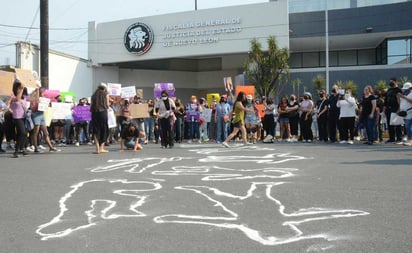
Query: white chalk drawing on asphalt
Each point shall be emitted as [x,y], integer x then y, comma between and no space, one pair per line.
[129,196]
[115,198]
[262,232]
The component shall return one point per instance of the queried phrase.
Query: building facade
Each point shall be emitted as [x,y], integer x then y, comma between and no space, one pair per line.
[369,41]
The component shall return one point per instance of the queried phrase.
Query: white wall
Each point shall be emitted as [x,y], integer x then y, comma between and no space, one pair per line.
[255,21]
[70,74]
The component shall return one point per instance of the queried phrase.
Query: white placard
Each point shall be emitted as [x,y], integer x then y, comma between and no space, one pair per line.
[62,110]
[114,89]
[206,114]
[129,92]
[43,104]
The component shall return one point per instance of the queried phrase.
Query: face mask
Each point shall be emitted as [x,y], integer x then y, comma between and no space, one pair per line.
[164,98]
[306,97]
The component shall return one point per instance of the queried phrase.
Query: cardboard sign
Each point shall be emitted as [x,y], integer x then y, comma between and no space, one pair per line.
[128,92]
[81,113]
[6,82]
[43,104]
[138,111]
[139,93]
[114,89]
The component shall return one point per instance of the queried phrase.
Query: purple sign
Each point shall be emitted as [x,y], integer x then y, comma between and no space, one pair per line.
[192,116]
[82,113]
[159,87]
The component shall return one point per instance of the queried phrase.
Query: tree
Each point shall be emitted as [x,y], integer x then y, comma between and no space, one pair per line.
[351,85]
[319,82]
[268,70]
[381,86]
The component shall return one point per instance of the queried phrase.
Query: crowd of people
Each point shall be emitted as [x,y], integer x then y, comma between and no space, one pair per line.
[335,117]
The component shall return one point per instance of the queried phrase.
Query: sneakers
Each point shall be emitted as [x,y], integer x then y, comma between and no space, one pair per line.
[53,150]
[30,148]
[77,144]
[38,151]
[189,141]
[42,147]
[225,144]
[343,142]
[350,142]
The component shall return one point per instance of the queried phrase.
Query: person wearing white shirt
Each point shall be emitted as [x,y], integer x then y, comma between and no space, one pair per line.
[406,105]
[347,105]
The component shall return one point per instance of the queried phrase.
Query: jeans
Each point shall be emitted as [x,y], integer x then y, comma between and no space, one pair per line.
[149,128]
[222,129]
[370,125]
[408,128]
[178,129]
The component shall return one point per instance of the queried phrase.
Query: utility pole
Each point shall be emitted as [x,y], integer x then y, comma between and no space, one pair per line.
[327,46]
[195,5]
[44,43]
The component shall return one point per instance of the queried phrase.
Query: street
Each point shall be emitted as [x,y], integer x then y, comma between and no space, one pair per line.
[281,197]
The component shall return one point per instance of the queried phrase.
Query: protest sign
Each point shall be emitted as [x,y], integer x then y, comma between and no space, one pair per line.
[62,110]
[159,87]
[139,111]
[43,104]
[128,92]
[114,89]
[82,113]
[206,114]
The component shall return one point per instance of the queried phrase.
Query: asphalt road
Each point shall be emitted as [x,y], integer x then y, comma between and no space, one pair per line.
[278,197]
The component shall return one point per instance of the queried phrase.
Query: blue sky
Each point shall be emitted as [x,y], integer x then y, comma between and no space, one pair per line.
[68,20]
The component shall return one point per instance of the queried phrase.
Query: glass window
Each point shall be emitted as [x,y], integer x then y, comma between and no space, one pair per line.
[367,57]
[399,50]
[347,58]
[310,60]
[295,60]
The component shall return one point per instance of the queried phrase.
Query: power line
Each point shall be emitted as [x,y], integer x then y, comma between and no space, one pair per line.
[31,26]
[38,28]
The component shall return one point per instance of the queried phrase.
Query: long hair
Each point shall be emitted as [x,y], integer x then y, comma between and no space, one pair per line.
[16,86]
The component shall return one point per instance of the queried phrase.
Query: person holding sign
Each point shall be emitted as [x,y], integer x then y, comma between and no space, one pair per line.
[38,106]
[164,108]
[19,106]
[99,109]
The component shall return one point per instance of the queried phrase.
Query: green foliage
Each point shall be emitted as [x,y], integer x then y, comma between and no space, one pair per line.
[351,85]
[381,86]
[319,82]
[403,80]
[268,70]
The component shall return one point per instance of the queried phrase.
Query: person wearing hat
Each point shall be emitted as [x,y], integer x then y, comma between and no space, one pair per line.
[406,106]
[391,105]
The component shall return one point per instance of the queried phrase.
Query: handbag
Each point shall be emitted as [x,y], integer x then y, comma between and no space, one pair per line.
[404,113]
[395,119]
[28,122]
